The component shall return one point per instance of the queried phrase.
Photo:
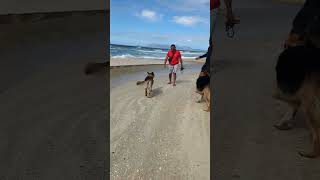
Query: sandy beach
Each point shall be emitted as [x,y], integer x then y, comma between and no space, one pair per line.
[163,137]
[53,117]
[115,62]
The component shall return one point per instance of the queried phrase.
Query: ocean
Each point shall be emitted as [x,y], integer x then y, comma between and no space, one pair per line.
[123,51]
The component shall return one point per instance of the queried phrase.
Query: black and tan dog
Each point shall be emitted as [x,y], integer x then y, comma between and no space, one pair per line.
[298,84]
[203,88]
[149,83]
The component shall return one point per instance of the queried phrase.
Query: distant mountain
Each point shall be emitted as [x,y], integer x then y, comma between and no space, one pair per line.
[162,46]
[167,46]
[159,46]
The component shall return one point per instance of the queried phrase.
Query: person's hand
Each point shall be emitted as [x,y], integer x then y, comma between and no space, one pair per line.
[293,40]
[182,68]
[231,20]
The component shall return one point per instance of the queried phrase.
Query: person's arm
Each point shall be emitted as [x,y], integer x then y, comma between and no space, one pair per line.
[230,16]
[229,12]
[228,4]
[180,59]
[165,60]
[202,56]
[205,55]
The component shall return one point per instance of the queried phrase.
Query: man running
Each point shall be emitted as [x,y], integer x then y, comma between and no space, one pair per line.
[174,57]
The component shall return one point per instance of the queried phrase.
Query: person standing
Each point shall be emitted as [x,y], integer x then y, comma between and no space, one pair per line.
[230,19]
[174,58]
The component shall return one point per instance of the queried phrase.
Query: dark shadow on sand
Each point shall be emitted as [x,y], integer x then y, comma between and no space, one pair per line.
[156,91]
[222,64]
[299,121]
[182,81]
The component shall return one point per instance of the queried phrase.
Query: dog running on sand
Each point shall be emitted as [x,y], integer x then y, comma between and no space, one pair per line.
[149,83]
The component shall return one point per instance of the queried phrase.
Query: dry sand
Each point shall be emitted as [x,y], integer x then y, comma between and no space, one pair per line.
[53,118]
[163,137]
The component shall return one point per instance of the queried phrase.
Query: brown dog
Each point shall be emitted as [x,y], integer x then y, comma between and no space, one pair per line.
[205,94]
[203,88]
[298,84]
[149,83]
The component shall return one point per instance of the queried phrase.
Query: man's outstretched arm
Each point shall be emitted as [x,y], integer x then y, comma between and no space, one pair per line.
[180,59]
[165,61]
[202,56]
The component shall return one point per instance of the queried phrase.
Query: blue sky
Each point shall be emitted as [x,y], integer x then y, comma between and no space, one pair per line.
[142,22]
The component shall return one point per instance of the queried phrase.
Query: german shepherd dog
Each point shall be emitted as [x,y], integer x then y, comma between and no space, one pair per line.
[149,83]
[203,88]
[298,84]
[92,68]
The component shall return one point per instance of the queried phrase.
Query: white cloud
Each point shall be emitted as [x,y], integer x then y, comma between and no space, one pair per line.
[186,5]
[188,20]
[144,38]
[149,15]
[162,36]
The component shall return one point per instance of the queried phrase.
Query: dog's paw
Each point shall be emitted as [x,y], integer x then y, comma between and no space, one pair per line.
[199,92]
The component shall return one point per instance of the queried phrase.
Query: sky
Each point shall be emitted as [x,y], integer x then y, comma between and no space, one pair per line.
[143,22]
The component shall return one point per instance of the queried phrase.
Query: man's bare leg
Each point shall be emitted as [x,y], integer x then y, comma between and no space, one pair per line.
[170,75]
[174,79]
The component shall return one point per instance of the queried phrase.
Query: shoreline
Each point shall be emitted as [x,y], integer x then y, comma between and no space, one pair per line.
[125,62]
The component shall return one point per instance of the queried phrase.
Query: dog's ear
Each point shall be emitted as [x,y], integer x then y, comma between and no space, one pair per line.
[152,73]
[148,73]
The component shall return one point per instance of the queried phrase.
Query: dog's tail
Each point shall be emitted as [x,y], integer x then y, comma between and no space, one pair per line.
[140,82]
